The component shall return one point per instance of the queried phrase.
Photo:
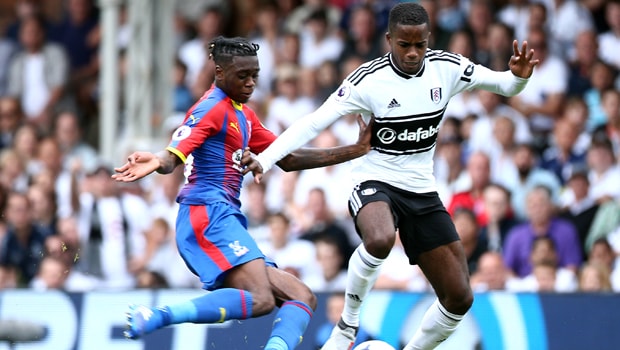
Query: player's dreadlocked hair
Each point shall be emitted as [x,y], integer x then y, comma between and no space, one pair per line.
[407,13]
[222,49]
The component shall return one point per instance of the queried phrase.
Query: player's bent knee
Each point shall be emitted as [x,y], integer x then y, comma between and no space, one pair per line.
[458,301]
[263,302]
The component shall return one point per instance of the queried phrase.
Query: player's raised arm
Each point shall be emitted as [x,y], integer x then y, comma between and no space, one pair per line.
[141,164]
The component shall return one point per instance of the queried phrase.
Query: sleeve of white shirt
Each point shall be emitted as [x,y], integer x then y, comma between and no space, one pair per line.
[346,100]
[477,76]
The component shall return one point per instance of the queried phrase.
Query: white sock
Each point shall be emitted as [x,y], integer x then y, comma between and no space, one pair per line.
[436,326]
[362,274]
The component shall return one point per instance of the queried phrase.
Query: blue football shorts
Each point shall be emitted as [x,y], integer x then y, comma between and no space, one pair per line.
[212,239]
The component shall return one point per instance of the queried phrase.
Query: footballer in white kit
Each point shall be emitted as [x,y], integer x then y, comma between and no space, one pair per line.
[407,91]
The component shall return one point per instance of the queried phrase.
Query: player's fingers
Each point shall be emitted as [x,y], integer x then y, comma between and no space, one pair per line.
[258,178]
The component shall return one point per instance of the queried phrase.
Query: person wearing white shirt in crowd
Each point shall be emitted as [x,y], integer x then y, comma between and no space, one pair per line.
[318,41]
[297,256]
[604,171]
[609,41]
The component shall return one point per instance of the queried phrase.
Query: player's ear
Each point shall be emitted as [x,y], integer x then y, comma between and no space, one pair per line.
[219,72]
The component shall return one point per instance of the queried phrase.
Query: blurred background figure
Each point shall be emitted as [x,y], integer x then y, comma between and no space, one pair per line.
[542,222]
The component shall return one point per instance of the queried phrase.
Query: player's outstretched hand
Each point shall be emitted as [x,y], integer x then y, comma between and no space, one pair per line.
[139,164]
[522,61]
[249,164]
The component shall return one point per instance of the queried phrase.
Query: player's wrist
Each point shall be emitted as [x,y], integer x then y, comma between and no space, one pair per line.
[263,163]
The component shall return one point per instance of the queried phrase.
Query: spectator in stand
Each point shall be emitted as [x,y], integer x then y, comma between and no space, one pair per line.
[581,63]
[469,233]
[12,171]
[49,159]
[479,170]
[65,245]
[23,244]
[525,175]
[43,209]
[542,222]
[332,258]
[594,278]
[38,74]
[546,275]
[491,274]
[445,18]
[23,10]
[299,15]
[488,107]
[502,154]
[561,157]
[575,111]
[319,41]
[362,35]
[500,50]
[51,275]
[333,180]
[603,254]
[288,104]
[604,170]
[11,118]
[194,54]
[294,255]
[182,98]
[317,219]
[253,196]
[576,204]
[334,307]
[500,220]
[602,78]
[516,15]
[268,36]
[104,228]
[541,101]
[160,256]
[450,171]
[608,41]
[162,197]
[566,19]
[26,143]
[478,23]
[9,278]
[610,102]
[394,277]
[68,134]
[79,34]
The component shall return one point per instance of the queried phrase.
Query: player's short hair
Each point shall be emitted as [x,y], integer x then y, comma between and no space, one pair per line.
[222,49]
[407,13]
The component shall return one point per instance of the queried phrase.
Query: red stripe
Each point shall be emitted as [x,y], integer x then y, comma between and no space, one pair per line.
[199,220]
[299,305]
[244,309]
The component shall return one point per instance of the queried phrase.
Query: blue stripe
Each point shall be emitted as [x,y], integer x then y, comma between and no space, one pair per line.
[487,320]
[397,312]
[534,321]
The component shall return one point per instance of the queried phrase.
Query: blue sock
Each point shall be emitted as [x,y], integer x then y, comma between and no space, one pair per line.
[214,307]
[289,325]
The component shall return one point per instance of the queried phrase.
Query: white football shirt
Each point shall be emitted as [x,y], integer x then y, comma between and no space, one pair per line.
[407,110]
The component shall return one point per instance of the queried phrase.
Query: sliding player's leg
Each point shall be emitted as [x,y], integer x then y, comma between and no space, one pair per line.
[297,304]
[229,264]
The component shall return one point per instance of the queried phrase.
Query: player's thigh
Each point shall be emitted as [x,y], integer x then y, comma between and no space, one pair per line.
[370,206]
[287,287]
[445,268]
[214,243]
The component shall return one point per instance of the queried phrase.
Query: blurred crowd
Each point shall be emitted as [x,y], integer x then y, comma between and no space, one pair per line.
[532,182]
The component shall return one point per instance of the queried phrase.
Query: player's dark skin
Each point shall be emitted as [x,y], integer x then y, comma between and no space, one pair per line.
[269,286]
